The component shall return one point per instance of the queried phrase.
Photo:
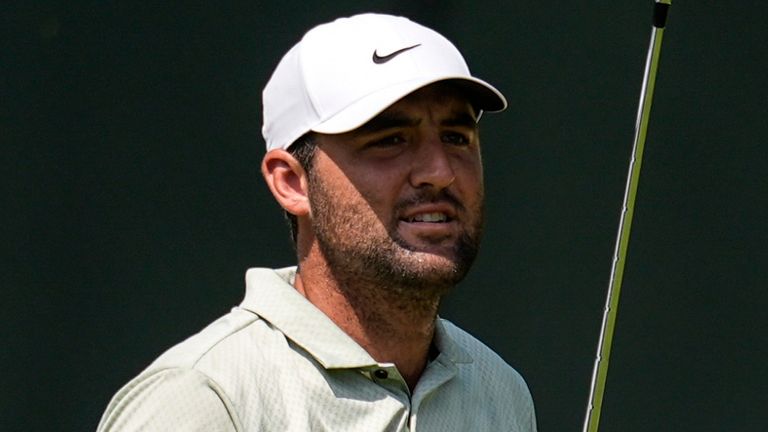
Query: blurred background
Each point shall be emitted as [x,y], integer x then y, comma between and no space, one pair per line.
[133,203]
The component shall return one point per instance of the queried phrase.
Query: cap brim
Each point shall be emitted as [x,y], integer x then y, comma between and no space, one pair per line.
[482,96]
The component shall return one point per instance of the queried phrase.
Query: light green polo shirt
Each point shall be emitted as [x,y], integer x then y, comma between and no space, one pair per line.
[277,363]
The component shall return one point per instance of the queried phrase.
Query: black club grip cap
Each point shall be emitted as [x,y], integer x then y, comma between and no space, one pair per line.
[660,11]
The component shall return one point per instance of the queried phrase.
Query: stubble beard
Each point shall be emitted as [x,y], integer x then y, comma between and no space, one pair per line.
[361,251]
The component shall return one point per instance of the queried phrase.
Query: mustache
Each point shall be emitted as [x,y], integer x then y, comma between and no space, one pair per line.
[430,196]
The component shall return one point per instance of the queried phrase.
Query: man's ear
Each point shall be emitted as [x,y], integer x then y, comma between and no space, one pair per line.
[287,180]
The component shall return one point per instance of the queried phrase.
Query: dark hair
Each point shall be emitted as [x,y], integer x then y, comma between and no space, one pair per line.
[303,149]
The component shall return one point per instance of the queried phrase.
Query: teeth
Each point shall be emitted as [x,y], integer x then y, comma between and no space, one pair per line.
[430,217]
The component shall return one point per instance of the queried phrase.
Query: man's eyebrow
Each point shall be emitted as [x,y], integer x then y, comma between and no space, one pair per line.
[387,120]
[461,119]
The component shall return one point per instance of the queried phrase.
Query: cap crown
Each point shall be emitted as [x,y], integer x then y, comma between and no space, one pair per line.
[342,74]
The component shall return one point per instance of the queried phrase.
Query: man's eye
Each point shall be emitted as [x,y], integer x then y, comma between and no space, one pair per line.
[388,141]
[456,138]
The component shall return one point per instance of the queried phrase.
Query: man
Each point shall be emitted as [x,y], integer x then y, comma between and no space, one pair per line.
[373,151]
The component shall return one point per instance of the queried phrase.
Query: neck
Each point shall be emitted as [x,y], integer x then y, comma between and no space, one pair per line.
[393,325]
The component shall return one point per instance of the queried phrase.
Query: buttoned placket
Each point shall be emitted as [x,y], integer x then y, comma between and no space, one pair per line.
[386,375]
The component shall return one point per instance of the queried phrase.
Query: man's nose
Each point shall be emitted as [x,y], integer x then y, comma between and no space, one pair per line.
[432,165]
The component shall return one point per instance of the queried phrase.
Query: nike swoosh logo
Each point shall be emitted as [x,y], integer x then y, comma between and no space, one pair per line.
[383,59]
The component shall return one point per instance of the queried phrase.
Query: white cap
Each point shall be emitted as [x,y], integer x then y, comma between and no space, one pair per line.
[344,73]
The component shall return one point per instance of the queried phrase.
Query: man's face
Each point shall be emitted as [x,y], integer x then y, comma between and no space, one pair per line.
[399,200]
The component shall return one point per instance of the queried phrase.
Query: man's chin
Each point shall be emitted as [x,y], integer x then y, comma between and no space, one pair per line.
[428,268]
[444,262]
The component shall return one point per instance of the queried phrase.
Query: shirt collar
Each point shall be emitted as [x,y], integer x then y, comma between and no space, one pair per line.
[271,295]
[447,346]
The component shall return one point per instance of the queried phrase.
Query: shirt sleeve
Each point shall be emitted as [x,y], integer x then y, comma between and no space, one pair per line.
[170,399]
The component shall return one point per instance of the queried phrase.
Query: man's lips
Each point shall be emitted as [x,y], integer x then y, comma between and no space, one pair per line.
[429,222]
[437,217]
[432,213]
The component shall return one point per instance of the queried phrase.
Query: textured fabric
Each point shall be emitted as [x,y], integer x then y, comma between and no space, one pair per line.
[276,363]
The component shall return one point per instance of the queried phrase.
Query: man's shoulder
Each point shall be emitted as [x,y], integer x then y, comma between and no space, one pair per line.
[174,398]
[190,352]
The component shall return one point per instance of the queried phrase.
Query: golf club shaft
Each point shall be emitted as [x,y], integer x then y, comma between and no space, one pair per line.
[600,371]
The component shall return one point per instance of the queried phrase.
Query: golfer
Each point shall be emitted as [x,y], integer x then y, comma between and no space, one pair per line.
[373,152]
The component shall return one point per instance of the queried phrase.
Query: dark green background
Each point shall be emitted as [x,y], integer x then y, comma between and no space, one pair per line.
[132,200]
